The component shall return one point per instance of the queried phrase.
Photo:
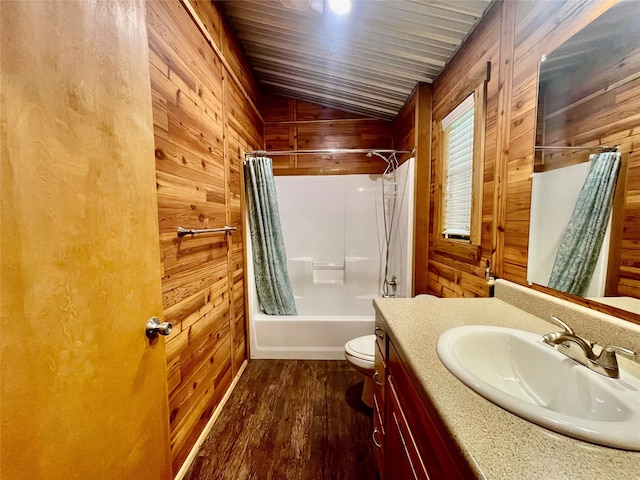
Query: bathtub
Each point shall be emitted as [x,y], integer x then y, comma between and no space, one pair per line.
[329,315]
[306,337]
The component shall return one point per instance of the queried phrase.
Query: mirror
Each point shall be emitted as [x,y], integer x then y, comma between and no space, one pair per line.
[589,96]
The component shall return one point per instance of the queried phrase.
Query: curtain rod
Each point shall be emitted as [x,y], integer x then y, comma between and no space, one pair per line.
[603,148]
[274,153]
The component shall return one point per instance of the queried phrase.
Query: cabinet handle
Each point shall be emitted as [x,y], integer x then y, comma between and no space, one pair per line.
[379,335]
[373,436]
[375,375]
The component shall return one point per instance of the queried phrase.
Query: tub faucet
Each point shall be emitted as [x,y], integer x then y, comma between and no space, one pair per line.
[394,287]
[582,351]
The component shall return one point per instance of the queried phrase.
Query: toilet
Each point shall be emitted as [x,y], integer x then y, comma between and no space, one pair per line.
[360,353]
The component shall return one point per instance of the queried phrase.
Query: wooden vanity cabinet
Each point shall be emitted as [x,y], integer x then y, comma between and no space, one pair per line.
[379,432]
[412,444]
[403,459]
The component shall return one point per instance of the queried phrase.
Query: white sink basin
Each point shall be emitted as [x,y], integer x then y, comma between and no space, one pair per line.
[517,371]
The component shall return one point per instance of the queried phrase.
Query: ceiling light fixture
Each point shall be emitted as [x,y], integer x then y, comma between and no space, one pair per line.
[340,7]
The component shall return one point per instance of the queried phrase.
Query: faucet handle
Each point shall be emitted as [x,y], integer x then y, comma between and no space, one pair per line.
[563,325]
[607,357]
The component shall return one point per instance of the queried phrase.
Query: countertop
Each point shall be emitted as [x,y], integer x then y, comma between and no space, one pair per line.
[496,443]
[625,303]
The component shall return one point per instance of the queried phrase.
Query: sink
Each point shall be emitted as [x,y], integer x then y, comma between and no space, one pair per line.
[517,371]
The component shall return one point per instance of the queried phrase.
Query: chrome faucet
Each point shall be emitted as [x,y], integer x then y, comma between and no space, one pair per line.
[582,351]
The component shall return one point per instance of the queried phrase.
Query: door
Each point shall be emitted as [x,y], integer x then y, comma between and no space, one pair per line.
[83,390]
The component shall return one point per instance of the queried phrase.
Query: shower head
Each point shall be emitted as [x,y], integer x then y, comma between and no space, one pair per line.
[371,154]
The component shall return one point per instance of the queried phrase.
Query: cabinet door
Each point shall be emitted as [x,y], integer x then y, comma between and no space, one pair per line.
[402,459]
[379,380]
[378,410]
[379,438]
[429,441]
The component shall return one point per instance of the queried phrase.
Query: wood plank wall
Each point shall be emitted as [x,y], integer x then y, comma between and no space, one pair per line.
[513,36]
[450,274]
[205,110]
[412,130]
[297,125]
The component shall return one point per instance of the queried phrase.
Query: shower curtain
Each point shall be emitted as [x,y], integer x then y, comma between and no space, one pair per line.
[269,257]
[582,240]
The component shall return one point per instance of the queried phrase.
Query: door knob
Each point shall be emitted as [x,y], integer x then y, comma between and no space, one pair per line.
[155,327]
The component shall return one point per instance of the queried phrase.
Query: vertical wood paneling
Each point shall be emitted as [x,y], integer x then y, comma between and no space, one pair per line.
[211,19]
[412,130]
[202,123]
[449,275]
[404,125]
[293,124]
[237,61]
[498,202]
[422,214]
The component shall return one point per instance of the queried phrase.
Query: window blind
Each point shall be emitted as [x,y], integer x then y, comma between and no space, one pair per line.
[458,127]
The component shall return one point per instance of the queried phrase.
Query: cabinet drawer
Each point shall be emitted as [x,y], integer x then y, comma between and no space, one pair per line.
[378,435]
[407,464]
[378,412]
[379,374]
[430,444]
[381,336]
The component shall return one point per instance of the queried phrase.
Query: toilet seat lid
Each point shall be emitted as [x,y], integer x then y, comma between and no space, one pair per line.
[362,347]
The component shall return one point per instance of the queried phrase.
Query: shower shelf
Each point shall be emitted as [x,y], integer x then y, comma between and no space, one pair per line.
[328,266]
[328,272]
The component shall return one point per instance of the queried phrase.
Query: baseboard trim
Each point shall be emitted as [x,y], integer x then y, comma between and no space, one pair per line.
[203,436]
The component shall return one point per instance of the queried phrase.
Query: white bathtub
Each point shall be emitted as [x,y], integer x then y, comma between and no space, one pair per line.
[329,315]
[306,337]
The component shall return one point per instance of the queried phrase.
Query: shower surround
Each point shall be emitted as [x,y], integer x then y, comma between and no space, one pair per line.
[333,230]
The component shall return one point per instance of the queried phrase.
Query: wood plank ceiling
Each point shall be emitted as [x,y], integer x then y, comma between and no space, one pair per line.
[367,61]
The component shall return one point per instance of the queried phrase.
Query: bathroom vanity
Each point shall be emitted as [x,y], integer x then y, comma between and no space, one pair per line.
[429,425]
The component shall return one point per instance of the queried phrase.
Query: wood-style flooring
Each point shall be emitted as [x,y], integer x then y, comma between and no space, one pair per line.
[291,419]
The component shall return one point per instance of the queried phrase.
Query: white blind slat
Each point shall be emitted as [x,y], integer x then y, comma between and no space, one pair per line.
[459,128]
[458,112]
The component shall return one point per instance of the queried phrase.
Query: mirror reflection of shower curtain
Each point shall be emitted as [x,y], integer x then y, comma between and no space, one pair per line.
[269,257]
[582,240]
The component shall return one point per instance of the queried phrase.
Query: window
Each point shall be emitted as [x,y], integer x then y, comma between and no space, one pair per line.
[457,128]
[459,170]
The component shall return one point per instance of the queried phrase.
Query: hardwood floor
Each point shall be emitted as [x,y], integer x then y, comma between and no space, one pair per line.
[291,419]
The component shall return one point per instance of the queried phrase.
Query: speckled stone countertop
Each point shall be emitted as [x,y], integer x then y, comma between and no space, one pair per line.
[496,443]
